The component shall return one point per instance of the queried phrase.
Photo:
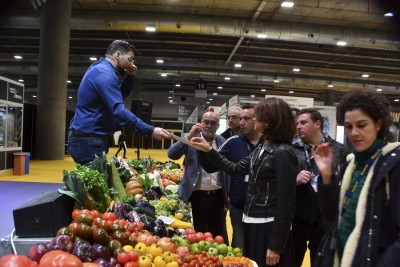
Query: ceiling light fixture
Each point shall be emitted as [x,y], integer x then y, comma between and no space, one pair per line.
[238,65]
[219,87]
[170,97]
[93,58]
[150,28]
[252,95]
[17,57]
[341,43]
[365,75]
[396,100]
[227,78]
[215,93]
[263,90]
[70,97]
[21,80]
[177,85]
[68,81]
[160,61]
[389,15]
[296,70]
[207,102]
[163,74]
[287,3]
[291,92]
[330,84]
[379,90]
[33,96]
[210,99]
[261,35]
[275,79]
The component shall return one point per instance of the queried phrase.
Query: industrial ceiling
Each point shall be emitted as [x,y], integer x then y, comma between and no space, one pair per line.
[282,50]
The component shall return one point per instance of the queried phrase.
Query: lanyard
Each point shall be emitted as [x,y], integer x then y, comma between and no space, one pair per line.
[308,158]
[349,192]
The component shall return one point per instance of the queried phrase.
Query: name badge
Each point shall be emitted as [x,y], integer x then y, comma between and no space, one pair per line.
[246,178]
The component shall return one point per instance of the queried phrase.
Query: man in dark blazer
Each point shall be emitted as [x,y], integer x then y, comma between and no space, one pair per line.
[207,192]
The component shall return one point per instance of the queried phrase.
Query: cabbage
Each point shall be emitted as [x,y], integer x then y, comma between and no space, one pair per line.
[173,188]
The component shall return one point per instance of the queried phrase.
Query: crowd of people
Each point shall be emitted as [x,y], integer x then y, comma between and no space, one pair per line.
[286,186]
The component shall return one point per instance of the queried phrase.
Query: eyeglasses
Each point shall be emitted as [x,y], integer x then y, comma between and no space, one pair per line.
[130,59]
[234,117]
[212,123]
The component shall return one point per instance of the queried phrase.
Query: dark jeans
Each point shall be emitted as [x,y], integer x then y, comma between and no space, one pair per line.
[304,231]
[83,149]
[208,212]
[237,227]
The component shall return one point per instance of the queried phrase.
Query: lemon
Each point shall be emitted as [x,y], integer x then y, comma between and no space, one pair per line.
[179,215]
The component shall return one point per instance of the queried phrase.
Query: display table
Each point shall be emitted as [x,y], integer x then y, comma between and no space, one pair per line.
[22,245]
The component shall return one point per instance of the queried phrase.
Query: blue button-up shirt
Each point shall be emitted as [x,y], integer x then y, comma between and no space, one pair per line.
[100,102]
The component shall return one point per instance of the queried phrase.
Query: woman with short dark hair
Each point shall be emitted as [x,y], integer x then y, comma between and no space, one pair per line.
[362,196]
[271,192]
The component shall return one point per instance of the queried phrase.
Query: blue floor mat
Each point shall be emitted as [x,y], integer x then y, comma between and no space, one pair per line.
[13,195]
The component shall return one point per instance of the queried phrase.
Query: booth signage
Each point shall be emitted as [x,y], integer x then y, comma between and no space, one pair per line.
[202,85]
[296,102]
[188,113]
[200,93]
[233,101]
[223,109]
[15,93]
[3,90]
[395,116]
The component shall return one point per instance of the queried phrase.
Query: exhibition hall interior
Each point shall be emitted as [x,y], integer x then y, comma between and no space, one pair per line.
[192,56]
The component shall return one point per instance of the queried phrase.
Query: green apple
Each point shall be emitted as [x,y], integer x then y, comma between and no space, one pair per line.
[221,257]
[213,251]
[230,254]
[230,249]
[222,248]
[201,245]
[237,252]
[207,245]
[195,249]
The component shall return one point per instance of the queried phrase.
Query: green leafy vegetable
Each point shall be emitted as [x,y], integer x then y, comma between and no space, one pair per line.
[145,182]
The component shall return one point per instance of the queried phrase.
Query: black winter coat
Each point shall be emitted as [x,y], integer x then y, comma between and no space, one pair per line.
[271,188]
[375,240]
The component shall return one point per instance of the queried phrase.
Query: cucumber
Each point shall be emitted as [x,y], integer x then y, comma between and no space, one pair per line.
[145,212]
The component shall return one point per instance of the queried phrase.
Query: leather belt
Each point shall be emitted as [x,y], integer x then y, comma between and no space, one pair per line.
[102,137]
[208,192]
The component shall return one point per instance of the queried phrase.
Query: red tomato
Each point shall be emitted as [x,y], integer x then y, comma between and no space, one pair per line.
[209,239]
[207,234]
[95,213]
[191,238]
[131,264]
[133,255]
[16,261]
[58,258]
[199,236]
[75,213]
[190,231]
[123,258]
[219,239]
[86,211]
[109,216]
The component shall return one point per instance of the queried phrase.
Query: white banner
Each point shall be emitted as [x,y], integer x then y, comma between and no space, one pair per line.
[296,102]
[329,115]
[233,101]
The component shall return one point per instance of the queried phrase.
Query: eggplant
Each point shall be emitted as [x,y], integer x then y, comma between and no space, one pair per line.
[170,232]
[102,252]
[158,230]
[157,222]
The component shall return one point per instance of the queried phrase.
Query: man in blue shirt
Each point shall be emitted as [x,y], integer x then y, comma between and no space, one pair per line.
[100,104]
[235,149]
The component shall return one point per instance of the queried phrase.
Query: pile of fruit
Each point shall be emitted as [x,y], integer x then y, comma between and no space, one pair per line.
[128,217]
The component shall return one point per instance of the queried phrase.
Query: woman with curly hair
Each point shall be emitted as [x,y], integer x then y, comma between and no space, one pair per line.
[362,197]
[271,191]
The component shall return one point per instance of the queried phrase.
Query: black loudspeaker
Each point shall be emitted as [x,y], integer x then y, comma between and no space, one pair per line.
[44,215]
[142,110]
